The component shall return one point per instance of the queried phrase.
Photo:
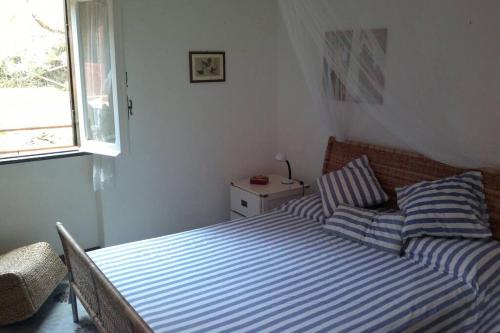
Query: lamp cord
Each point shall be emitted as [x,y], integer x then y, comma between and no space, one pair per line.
[301,182]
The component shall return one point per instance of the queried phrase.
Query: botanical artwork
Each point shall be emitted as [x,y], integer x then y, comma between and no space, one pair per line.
[355,63]
[207,66]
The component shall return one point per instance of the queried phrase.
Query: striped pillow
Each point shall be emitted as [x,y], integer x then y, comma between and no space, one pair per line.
[354,185]
[379,230]
[307,207]
[450,207]
[473,261]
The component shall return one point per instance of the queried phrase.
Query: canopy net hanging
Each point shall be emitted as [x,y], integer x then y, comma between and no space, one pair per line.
[406,70]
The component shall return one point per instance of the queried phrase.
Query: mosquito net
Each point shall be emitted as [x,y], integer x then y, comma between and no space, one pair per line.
[389,60]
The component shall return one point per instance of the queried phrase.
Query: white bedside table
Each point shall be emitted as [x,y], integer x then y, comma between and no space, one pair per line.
[250,200]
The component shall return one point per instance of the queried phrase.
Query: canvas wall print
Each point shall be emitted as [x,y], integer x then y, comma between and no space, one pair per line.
[207,66]
[356,61]
[339,46]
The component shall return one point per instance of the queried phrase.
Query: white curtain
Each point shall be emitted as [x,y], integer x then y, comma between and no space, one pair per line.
[347,61]
[93,22]
[103,173]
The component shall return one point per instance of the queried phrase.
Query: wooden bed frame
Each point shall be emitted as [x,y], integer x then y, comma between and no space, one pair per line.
[395,168]
[113,314]
[110,312]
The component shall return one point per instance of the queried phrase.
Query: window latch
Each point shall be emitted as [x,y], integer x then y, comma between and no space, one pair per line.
[130,104]
[130,107]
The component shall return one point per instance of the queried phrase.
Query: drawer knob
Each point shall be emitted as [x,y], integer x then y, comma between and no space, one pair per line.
[244,203]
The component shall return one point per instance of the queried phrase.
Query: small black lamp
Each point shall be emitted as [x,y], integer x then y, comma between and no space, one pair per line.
[282,158]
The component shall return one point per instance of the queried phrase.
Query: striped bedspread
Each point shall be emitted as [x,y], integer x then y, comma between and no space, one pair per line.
[282,273]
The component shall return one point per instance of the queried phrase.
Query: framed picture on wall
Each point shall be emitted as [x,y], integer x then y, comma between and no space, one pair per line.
[357,55]
[207,66]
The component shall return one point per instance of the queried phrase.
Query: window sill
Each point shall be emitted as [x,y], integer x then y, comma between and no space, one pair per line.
[42,157]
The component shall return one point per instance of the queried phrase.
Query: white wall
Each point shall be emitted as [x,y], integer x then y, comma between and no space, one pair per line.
[442,65]
[188,141]
[35,195]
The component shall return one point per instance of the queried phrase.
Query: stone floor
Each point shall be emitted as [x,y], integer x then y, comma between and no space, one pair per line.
[54,317]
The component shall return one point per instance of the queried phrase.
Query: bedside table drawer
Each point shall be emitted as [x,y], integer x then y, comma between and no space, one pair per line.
[245,203]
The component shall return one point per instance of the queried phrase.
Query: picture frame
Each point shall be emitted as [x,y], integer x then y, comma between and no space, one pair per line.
[362,54]
[207,66]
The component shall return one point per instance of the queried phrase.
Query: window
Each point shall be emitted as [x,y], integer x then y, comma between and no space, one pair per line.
[58,82]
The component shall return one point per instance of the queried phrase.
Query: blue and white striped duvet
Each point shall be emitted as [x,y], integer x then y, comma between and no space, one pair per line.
[282,273]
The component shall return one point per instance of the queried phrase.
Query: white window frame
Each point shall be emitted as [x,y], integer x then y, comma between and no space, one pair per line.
[119,91]
[86,145]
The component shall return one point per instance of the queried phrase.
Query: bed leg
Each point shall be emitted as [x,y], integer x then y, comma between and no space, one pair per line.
[74,308]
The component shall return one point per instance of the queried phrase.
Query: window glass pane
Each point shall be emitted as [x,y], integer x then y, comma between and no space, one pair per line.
[35,103]
[97,71]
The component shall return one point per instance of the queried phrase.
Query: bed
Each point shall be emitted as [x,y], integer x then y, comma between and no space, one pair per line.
[280,272]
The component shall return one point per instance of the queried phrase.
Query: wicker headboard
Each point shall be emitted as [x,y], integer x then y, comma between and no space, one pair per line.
[395,168]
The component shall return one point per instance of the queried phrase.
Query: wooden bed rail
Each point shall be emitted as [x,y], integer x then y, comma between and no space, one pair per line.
[110,312]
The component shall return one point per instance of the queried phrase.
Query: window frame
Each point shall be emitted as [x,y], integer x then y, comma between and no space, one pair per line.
[74,118]
[82,146]
[25,155]
[43,157]
[86,145]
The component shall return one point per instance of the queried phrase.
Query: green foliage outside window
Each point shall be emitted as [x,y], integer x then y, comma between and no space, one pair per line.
[48,69]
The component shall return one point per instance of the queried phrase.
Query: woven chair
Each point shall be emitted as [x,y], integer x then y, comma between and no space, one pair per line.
[28,276]
[110,312]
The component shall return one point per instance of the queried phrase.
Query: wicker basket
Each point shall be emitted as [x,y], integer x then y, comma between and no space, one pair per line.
[28,276]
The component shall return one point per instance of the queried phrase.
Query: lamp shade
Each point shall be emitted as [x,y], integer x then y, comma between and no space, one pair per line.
[281,157]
